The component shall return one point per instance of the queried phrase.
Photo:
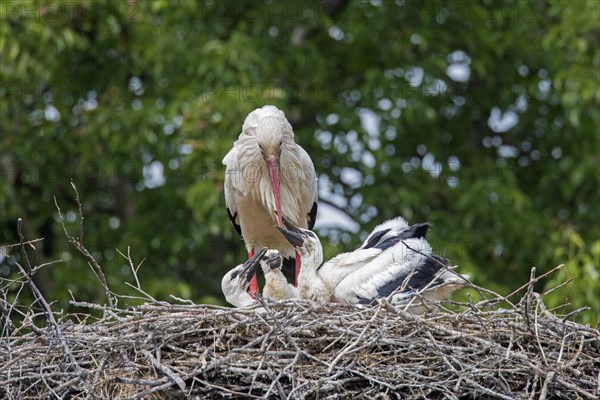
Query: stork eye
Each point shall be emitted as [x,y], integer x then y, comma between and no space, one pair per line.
[280,142]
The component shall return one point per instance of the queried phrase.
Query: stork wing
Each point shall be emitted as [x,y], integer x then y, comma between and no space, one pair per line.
[231,174]
[384,238]
[413,277]
[401,266]
[382,285]
[308,188]
[360,256]
[342,265]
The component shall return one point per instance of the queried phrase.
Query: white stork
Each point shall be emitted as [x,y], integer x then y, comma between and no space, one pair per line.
[276,284]
[268,176]
[235,282]
[394,260]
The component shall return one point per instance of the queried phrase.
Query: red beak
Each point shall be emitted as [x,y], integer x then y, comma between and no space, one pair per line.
[273,165]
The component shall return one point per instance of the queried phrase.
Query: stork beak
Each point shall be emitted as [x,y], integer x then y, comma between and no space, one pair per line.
[250,266]
[296,239]
[273,165]
[291,227]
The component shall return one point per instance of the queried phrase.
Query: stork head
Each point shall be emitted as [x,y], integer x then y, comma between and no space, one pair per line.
[271,260]
[269,137]
[305,242]
[235,282]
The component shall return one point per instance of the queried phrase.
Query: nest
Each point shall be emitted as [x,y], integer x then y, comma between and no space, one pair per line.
[299,349]
[296,349]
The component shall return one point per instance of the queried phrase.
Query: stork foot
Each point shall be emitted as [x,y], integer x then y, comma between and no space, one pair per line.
[253,289]
[253,286]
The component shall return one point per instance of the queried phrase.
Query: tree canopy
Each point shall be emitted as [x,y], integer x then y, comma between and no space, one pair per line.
[478,116]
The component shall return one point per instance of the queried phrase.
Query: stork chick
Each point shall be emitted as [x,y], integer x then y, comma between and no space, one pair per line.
[236,282]
[393,260]
[276,284]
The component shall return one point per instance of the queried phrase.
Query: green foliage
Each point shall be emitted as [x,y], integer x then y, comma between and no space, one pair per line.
[581,263]
[105,93]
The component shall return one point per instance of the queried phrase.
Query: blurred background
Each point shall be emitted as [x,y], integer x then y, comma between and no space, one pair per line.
[479,116]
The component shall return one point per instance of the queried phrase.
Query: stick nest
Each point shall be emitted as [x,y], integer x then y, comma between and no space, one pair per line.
[298,349]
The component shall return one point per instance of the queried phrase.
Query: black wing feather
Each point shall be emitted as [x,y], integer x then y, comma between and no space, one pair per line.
[416,231]
[312,216]
[232,218]
[424,274]
[387,243]
[364,300]
[375,238]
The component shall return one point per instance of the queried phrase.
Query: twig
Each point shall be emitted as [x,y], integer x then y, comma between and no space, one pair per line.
[134,270]
[29,242]
[165,370]
[40,298]
[577,311]
[80,212]
[535,280]
[81,248]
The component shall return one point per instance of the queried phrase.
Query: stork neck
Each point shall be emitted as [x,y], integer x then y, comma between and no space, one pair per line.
[308,273]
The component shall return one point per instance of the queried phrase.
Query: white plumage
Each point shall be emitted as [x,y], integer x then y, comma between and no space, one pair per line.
[276,284]
[394,260]
[235,283]
[268,176]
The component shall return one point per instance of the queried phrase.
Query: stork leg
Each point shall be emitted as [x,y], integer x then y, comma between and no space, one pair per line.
[298,263]
[253,282]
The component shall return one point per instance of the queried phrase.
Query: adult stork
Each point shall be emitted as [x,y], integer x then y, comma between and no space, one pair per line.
[394,260]
[235,282]
[268,176]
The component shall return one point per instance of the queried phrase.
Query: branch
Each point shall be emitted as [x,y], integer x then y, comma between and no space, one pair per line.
[83,250]
[40,298]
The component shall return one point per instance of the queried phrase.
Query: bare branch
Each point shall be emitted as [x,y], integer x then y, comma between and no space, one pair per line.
[42,301]
[81,248]
[80,212]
